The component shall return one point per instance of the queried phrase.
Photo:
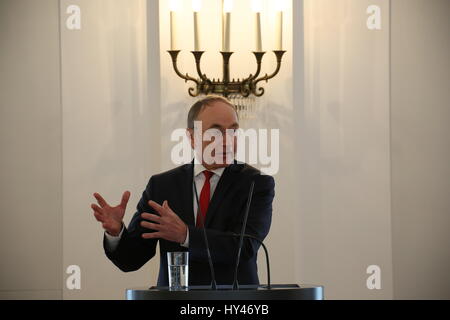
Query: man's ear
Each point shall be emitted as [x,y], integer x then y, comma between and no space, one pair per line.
[190,135]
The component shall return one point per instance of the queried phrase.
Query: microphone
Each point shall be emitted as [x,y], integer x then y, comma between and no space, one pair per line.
[241,240]
[266,252]
[241,236]
[205,238]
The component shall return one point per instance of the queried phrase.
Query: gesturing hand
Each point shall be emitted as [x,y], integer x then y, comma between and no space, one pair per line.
[167,225]
[110,217]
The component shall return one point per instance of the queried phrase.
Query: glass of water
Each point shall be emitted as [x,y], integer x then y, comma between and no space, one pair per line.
[178,270]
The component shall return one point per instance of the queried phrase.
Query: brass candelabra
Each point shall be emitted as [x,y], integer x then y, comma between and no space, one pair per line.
[226,86]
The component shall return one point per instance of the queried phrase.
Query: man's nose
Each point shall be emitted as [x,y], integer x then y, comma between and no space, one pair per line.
[229,140]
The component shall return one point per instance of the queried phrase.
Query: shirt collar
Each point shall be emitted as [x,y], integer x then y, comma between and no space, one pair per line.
[199,168]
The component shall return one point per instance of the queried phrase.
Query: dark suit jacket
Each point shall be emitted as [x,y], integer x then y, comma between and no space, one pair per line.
[225,215]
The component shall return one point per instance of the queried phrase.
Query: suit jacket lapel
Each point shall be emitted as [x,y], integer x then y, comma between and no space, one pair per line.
[187,194]
[226,180]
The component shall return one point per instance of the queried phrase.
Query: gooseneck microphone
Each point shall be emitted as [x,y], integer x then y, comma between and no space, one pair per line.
[241,237]
[266,252]
[241,240]
[205,238]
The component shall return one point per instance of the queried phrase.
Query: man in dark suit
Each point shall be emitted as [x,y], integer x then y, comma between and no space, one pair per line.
[168,211]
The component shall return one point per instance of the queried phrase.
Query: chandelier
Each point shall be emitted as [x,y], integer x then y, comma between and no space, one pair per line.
[241,88]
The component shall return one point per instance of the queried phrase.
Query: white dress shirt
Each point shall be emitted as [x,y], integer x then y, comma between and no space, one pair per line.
[199,178]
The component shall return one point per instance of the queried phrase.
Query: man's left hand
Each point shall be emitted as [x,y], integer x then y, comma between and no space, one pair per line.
[167,225]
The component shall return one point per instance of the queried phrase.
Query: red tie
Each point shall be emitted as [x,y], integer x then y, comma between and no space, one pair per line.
[205,195]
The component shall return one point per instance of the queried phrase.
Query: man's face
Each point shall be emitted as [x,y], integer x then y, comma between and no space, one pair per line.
[217,117]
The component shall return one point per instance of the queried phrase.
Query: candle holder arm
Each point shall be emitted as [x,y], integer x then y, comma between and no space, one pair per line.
[247,84]
[279,54]
[193,92]
[198,57]
[259,56]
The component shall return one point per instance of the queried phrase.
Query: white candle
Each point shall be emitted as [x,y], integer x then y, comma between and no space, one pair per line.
[196,7]
[257,8]
[280,7]
[258,32]
[227,39]
[174,6]
[227,8]
[172,31]
[279,31]
[196,33]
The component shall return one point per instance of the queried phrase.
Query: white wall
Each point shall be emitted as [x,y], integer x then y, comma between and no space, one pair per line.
[342,127]
[110,137]
[30,144]
[420,148]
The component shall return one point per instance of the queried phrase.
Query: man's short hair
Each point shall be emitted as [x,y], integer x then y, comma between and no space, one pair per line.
[203,103]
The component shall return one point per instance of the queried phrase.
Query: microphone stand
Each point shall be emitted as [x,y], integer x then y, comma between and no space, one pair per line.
[266,252]
[211,267]
[241,240]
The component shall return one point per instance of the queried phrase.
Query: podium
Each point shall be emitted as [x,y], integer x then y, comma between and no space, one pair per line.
[261,292]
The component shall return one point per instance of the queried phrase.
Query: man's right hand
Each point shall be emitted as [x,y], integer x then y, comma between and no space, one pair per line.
[110,217]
